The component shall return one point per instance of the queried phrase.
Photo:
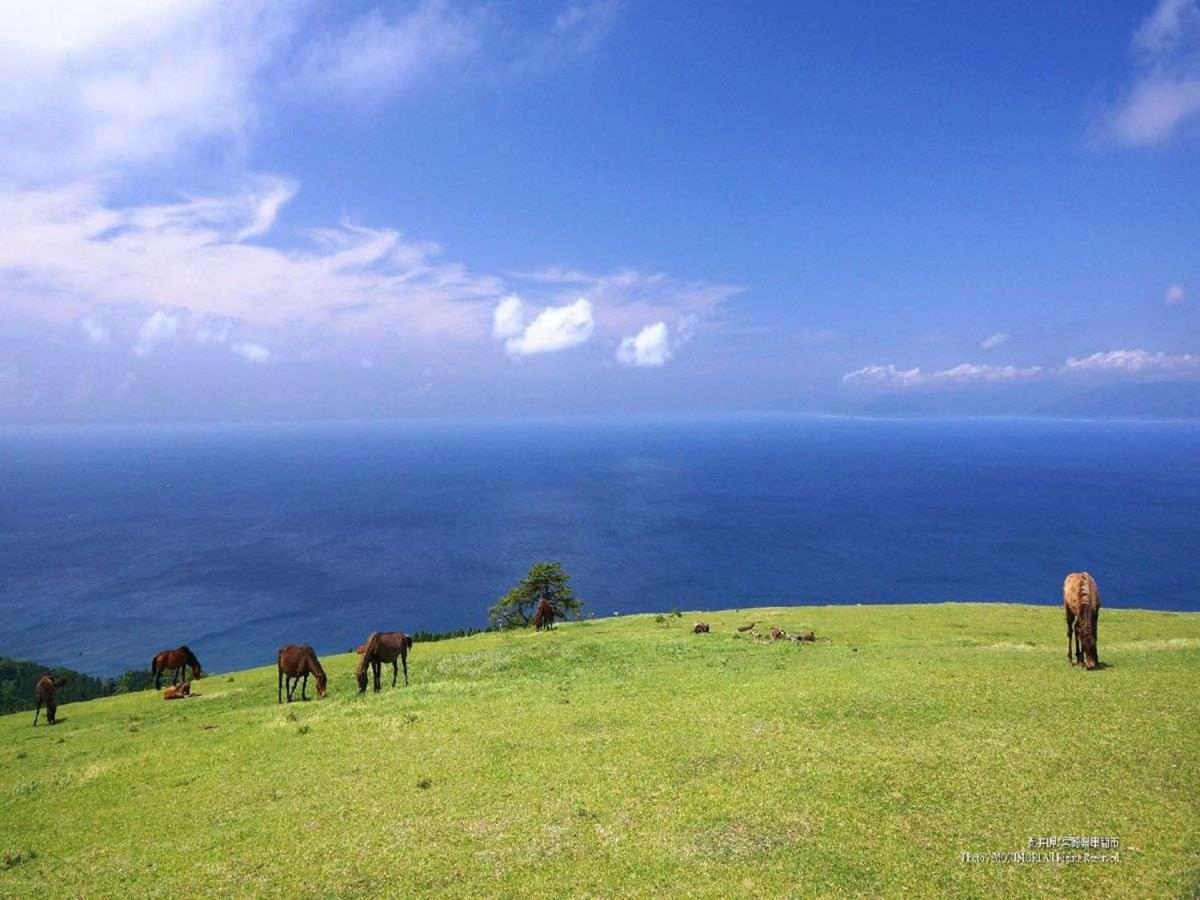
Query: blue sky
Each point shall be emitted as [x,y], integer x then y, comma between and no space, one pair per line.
[290,210]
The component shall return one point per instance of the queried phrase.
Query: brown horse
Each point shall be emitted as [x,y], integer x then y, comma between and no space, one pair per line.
[700,628]
[176,660]
[1081,599]
[543,616]
[296,662]
[178,691]
[43,692]
[383,647]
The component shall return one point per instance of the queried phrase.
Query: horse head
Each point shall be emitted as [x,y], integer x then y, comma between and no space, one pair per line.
[1087,640]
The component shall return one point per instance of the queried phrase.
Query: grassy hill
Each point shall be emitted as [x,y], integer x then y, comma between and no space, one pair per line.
[628,756]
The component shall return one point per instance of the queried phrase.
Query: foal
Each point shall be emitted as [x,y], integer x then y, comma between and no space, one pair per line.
[43,692]
[296,662]
[384,647]
[1081,600]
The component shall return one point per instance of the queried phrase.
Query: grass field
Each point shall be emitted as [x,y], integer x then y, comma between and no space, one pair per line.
[628,756]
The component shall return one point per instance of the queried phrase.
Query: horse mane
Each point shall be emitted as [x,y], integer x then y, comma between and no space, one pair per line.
[370,648]
[191,657]
[313,661]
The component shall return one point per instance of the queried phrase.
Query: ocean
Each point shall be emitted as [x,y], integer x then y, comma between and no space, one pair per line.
[117,541]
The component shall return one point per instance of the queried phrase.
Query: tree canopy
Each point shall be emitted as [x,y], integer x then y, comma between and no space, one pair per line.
[547,581]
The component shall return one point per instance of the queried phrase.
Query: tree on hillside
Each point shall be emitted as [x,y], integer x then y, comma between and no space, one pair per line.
[547,581]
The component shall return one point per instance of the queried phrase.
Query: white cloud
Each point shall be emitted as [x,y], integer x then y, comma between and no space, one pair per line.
[1175,294]
[1164,95]
[124,81]
[650,347]
[993,341]
[555,328]
[255,353]
[159,328]
[1130,361]
[964,373]
[508,318]
[96,331]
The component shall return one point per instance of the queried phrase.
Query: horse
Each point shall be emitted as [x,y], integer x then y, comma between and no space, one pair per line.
[745,628]
[43,692]
[178,691]
[296,662]
[383,647]
[700,628]
[174,659]
[778,634]
[543,616]
[1081,600]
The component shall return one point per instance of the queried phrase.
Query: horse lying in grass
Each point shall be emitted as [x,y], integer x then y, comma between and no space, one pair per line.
[43,692]
[700,628]
[174,659]
[178,691]
[296,662]
[384,647]
[1081,600]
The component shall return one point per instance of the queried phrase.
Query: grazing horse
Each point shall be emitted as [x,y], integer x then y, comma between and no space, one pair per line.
[700,628]
[296,662]
[543,616]
[174,659]
[43,692]
[383,647]
[1081,599]
[178,691]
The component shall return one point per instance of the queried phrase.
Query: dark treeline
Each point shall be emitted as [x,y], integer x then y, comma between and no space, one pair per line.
[18,677]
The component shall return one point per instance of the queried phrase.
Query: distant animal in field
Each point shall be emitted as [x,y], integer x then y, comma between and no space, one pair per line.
[178,691]
[1081,600]
[297,662]
[778,634]
[543,616]
[700,628]
[360,649]
[175,660]
[43,693]
[749,627]
[808,636]
[384,647]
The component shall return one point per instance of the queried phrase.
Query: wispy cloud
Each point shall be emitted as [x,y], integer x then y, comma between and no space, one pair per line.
[379,55]
[251,352]
[1175,294]
[1131,362]
[1163,96]
[964,373]
[991,342]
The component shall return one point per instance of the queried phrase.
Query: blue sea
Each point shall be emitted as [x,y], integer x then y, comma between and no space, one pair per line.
[118,541]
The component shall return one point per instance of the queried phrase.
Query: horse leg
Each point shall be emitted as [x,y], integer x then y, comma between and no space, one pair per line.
[304,688]
[1070,631]
[1078,646]
[51,709]
[1096,632]
[395,672]
[158,679]
[404,659]
[280,692]
[291,687]
[377,668]
[37,713]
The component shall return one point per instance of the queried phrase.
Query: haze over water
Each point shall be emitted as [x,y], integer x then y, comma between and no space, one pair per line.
[118,541]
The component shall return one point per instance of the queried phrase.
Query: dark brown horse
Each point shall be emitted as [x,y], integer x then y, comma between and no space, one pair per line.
[176,660]
[43,692]
[384,647]
[700,628]
[543,616]
[1081,600]
[296,662]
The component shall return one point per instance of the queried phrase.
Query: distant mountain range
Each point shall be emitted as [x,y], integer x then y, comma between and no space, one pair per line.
[1131,400]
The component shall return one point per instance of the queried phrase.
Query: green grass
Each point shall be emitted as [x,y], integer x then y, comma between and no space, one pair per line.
[626,757]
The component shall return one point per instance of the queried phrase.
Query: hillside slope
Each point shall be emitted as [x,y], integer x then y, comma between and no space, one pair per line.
[628,756]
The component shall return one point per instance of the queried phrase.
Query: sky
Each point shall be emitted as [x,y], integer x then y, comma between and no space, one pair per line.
[269,210]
